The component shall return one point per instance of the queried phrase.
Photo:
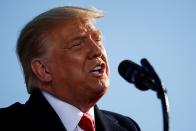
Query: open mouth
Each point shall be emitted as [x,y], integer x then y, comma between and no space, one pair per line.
[98,70]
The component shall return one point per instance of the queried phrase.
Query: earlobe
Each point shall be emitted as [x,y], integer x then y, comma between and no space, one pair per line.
[40,70]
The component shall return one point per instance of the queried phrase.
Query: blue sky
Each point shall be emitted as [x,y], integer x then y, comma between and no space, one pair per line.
[163,31]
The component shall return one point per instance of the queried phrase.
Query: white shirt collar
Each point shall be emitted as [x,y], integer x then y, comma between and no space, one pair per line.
[69,114]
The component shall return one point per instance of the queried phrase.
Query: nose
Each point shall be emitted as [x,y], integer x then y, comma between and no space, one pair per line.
[95,50]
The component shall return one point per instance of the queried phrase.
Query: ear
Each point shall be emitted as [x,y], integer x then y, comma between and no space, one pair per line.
[40,70]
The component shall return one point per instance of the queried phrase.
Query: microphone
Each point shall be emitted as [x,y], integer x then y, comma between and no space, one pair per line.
[143,77]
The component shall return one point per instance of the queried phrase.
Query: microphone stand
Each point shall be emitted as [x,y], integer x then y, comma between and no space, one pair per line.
[161,92]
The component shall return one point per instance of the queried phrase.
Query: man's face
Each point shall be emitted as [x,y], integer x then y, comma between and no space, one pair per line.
[77,62]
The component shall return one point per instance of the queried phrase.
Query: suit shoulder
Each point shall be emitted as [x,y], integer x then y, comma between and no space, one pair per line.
[121,119]
[12,111]
[14,106]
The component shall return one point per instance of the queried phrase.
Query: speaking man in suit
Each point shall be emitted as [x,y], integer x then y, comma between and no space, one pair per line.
[66,72]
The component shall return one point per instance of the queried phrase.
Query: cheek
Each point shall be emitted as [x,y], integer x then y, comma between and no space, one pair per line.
[75,65]
[105,58]
[67,68]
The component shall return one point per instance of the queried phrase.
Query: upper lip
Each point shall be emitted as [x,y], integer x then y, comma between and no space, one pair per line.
[101,64]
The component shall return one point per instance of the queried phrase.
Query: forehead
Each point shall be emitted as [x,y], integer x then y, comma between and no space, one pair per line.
[86,26]
[77,26]
[68,30]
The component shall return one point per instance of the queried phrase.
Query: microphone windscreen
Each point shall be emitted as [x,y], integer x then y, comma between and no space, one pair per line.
[127,69]
[135,74]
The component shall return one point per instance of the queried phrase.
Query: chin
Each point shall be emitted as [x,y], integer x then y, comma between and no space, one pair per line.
[95,96]
[102,89]
[99,88]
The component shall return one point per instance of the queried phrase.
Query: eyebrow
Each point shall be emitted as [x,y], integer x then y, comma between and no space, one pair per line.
[83,34]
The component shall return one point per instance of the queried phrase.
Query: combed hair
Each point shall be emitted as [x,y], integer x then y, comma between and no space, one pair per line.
[32,39]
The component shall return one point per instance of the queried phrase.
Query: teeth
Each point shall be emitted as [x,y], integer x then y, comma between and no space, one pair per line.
[97,68]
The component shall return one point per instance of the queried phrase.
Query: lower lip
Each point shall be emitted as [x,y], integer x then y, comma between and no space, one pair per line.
[97,74]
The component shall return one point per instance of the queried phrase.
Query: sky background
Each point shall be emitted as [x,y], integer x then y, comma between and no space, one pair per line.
[163,31]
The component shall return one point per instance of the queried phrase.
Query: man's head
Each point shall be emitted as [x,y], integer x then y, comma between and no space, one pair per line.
[61,52]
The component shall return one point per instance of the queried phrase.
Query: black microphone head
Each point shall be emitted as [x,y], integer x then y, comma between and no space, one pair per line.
[126,68]
[133,73]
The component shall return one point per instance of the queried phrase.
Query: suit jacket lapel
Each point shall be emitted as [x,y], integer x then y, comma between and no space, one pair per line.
[106,123]
[42,114]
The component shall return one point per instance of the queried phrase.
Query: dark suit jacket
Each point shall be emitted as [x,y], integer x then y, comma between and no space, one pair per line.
[37,115]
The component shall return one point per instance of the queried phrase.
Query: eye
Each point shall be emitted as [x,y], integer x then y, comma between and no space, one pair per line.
[98,40]
[78,42]
[97,37]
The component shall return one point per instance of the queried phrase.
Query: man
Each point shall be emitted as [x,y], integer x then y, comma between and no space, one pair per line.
[66,72]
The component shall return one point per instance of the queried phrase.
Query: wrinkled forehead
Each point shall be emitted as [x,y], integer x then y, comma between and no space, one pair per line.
[76,26]
[85,26]
[67,30]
